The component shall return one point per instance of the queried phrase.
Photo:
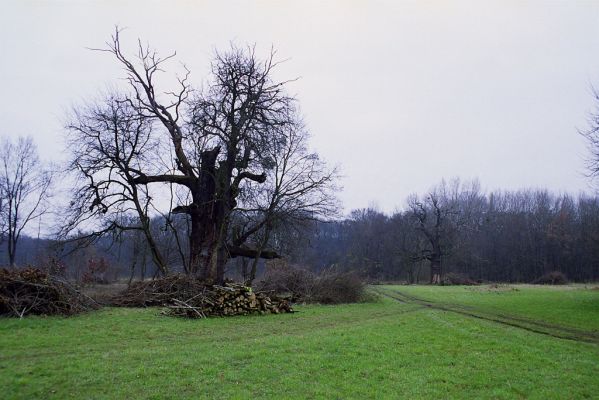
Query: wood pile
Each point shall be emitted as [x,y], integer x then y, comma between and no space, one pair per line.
[230,299]
[33,291]
[187,296]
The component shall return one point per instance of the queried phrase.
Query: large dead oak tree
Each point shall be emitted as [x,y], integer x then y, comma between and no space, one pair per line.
[217,152]
[437,218]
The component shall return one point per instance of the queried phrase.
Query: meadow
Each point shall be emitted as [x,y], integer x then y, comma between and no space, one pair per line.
[410,342]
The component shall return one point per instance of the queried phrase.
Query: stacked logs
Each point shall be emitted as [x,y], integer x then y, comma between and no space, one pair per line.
[227,300]
[187,296]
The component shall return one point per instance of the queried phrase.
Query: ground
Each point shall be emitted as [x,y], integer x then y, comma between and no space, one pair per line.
[413,342]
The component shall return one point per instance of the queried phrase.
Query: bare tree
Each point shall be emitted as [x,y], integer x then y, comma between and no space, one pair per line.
[110,143]
[591,134]
[430,217]
[217,141]
[436,217]
[25,189]
[299,188]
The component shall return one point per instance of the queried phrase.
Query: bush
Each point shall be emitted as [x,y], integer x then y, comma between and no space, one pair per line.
[552,278]
[96,273]
[53,266]
[328,287]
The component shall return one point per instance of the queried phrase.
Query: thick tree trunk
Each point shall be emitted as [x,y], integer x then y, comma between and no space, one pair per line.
[207,243]
[195,245]
[213,198]
[204,216]
[212,240]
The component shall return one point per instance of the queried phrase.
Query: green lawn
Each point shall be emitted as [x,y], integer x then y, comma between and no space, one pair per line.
[384,349]
[576,306]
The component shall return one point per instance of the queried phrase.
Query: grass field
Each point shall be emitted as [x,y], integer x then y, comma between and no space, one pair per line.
[576,306]
[414,342]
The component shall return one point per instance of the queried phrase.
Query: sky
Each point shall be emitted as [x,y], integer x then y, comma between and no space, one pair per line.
[398,94]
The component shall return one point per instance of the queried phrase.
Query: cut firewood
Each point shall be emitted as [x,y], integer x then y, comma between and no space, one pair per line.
[187,296]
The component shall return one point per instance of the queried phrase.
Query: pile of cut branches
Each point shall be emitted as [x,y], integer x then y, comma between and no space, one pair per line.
[455,278]
[33,291]
[158,292]
[552,278]
[187,296]
[330,286]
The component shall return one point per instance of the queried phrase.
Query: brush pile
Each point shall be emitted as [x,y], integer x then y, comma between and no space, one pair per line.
[455,278]
[552,278]
[301,285]
[33,291]
[186,296]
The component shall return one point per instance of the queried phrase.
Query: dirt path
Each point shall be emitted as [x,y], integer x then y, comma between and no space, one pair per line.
[536,326]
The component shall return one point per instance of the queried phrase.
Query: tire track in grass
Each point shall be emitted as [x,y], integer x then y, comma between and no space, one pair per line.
[529,321]
[535,326]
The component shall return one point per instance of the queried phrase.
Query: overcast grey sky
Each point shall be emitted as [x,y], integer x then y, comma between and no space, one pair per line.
[399,94]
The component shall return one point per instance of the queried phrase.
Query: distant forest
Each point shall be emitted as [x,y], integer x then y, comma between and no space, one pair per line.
[511,236]
[503,236]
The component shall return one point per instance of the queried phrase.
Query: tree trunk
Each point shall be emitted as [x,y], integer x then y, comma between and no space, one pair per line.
[244,268]
[436,269]
[263,243]
[132,273]
[12,250]
[213,198]
[203,213]
[143,266]
[156,255]
[195,245]
[253,270]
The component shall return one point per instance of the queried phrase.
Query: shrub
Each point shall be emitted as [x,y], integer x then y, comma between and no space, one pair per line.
[552,278]
[96,273]
[53,266]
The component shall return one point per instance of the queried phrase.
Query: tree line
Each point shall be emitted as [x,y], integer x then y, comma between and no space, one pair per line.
[505,236]
[502,236]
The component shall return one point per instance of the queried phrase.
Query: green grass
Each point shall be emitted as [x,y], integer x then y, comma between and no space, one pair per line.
[374,350]
[575,306]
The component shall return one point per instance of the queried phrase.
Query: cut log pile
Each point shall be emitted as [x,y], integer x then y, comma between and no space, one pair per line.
[33,291]
[230,299]
[187,296]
